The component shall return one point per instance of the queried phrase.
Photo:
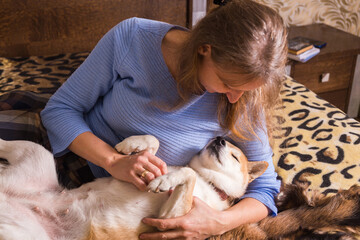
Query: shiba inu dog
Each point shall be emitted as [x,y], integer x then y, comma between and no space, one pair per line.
[34,206]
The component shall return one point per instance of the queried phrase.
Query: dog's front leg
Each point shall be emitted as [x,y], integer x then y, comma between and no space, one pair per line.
[138,143]
[182,181]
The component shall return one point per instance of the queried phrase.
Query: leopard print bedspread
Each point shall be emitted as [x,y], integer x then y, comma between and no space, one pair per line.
[316,143]
[43,74]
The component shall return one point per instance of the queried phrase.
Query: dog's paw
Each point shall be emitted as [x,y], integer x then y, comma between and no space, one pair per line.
[139,143]
[161,184]
[180,176]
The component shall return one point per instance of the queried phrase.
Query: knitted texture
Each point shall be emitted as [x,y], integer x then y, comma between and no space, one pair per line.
[123,88]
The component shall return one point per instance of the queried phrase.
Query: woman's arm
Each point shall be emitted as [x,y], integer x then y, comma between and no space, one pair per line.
[257,203]
[195,226]
[126,168]
[248,210]
[63,116]
[267,186]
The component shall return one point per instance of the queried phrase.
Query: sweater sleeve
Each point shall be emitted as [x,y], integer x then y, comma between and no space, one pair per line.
[265,187]
[63,116]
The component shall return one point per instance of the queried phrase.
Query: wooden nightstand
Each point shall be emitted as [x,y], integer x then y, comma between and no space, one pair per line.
[339,58]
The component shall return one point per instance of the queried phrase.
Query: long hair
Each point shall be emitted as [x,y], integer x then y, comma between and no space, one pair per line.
[246,38]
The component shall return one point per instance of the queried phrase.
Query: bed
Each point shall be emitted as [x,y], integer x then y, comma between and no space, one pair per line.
[43,42]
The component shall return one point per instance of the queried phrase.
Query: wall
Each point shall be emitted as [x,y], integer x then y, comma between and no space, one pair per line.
[45,27]
[341,14]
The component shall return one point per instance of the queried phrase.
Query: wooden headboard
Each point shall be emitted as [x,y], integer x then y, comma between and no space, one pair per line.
[43,27]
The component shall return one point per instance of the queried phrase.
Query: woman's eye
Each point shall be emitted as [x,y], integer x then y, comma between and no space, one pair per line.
[235,157]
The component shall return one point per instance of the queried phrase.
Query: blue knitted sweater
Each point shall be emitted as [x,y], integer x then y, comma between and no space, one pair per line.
[116,92]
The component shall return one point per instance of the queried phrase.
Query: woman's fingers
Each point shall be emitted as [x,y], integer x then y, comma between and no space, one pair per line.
[151,163]
[146,175]
[160,164]
[170,229]
[200,222]
[154,171]
[147,167]
[174,234]
[139,182]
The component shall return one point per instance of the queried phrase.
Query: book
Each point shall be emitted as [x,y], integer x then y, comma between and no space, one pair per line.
[305,56]
[297,46]
[315,43]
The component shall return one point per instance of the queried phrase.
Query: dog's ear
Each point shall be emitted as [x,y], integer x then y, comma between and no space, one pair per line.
[255,169]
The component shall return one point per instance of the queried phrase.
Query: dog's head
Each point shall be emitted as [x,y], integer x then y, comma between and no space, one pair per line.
[226,167]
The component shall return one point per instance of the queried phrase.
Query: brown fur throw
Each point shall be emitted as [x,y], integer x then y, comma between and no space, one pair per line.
[307,216]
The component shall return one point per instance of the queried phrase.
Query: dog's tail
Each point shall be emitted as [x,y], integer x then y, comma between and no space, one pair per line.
[335,217]
[304,216]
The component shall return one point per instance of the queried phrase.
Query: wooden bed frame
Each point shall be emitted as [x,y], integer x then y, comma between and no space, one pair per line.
[43,27]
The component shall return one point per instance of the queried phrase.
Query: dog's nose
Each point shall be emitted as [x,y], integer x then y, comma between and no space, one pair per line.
[220,141]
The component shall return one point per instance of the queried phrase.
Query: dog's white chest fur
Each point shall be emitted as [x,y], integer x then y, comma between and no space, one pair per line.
[34,206]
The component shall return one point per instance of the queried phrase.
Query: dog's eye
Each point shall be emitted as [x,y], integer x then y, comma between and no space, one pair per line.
[235,157]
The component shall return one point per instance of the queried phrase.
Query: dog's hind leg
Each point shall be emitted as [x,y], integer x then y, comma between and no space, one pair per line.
[182,181]
[29,166]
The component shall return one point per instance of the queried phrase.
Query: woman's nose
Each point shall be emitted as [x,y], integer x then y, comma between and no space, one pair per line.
[233,97]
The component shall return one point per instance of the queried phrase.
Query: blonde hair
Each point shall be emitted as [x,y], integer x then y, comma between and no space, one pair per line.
[246,38]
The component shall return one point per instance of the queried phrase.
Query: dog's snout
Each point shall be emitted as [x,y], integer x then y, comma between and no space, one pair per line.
[216,146]
[220,141]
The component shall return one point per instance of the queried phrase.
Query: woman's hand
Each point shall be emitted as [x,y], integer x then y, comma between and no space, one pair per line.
[138,169]
[200,222]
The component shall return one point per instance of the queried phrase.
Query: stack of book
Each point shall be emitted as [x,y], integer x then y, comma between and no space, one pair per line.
[302,49]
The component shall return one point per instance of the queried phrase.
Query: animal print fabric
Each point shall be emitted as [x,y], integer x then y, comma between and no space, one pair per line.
[316,142]
[43,74]
[26,84]
[341,14]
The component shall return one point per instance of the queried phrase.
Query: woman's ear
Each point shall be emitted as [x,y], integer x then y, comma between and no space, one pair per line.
[205,50]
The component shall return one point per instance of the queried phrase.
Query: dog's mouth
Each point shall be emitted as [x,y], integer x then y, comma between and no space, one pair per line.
[215,146]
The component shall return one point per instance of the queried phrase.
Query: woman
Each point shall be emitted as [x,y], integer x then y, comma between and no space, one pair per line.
[184,87]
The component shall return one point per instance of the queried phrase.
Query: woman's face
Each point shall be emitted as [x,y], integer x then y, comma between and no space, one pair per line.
[212,79]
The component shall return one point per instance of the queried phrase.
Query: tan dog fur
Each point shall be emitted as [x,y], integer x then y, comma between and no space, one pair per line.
[306,216]
[34,206]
